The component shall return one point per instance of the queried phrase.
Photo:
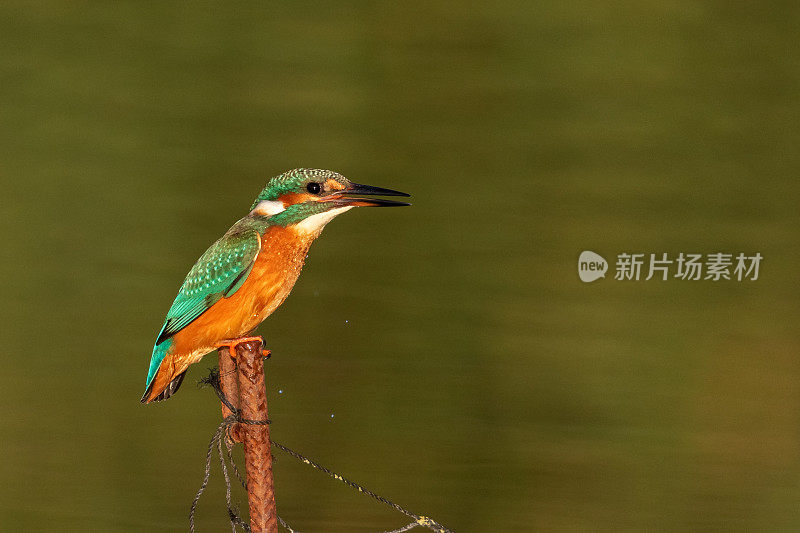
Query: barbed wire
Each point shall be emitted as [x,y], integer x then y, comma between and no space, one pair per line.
[220,436]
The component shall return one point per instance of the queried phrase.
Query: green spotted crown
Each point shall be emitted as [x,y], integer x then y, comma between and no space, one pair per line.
[296,180]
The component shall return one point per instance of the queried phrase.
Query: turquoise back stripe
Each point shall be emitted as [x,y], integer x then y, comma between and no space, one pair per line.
[159,351]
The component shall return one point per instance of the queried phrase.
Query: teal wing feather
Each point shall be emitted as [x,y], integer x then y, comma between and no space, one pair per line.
[219,273]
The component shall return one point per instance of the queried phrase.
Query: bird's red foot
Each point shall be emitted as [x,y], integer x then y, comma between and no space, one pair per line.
[233,343]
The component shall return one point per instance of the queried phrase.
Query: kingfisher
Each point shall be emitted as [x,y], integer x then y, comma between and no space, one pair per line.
[244,276]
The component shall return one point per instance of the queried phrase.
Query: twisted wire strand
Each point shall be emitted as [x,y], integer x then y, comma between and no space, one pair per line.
[418,519]
[220,435]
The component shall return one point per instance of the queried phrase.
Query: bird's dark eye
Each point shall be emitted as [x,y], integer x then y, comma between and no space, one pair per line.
[314,187]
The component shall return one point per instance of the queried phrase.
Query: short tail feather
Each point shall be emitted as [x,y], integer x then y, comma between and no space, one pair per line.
[161,369]
[171,389]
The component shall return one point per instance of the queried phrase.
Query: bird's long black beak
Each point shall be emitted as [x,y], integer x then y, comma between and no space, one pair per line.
[355,195]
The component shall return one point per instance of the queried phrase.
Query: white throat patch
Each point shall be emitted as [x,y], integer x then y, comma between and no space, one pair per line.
[315,223]
[267,208]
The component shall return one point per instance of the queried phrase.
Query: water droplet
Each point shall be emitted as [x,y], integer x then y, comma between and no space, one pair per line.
[280,391]
[331,415]
[346,321]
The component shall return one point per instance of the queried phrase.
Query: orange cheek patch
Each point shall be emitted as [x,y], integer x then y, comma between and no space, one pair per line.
[295,198]
[333,185]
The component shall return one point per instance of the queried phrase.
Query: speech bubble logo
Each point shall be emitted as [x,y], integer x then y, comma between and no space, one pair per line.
[591,266]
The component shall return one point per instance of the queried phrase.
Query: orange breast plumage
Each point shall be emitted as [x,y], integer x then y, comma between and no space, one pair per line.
[274,273]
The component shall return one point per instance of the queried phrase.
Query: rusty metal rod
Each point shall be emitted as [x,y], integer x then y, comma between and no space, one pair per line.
[229,382]
[257,453]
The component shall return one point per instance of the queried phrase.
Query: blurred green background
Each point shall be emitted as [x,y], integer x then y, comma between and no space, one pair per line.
[471,375]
